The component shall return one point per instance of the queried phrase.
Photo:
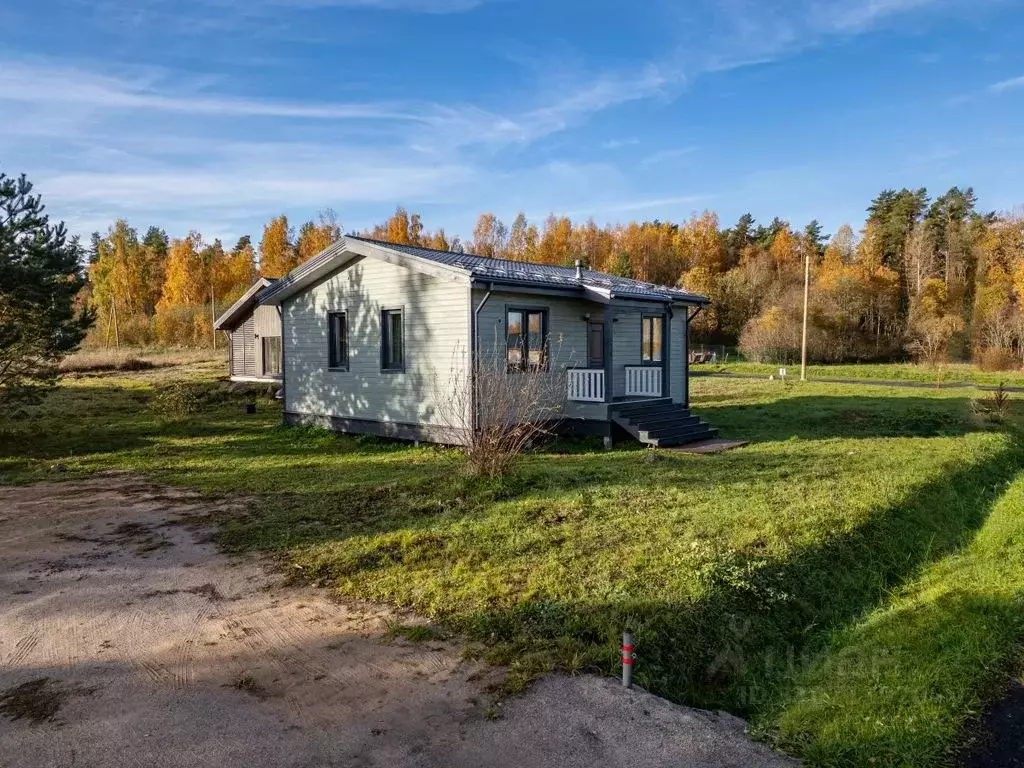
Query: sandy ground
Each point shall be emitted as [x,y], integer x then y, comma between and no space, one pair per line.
[127,639]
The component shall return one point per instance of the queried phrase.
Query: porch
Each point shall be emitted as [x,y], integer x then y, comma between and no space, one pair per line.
[636,380]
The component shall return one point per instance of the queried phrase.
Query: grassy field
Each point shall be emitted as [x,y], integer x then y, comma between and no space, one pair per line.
[852,581]
[949,373]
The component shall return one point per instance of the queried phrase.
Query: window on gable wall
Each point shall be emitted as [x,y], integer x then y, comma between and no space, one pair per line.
[337,340]
[526,339]
[392,351]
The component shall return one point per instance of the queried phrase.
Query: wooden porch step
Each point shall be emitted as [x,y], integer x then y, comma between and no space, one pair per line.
[707,433]
[671,430]
[661,423]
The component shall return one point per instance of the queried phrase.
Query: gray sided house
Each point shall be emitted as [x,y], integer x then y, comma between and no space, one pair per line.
[254,336]
[374,332]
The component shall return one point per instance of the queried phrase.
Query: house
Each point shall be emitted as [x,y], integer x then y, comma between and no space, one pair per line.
[254,337]
[373,330]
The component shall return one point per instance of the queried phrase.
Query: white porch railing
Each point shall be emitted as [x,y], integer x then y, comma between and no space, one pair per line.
[586,385]
[643,380]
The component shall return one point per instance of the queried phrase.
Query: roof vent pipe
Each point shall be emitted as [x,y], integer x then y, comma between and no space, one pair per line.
[579,269]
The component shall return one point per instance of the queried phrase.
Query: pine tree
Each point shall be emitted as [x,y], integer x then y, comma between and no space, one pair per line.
[40,276]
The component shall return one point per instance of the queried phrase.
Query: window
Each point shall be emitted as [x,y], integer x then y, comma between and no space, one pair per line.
[526,346]
[392,342]
[595,345]
[337,341]
[651,335]
[271,355]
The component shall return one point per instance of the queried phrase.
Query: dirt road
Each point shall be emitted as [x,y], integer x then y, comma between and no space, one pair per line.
[127,639]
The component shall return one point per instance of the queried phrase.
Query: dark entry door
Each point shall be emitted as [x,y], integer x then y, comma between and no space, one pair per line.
[595,345]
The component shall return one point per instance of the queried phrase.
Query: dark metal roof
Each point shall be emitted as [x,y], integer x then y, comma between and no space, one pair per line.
[543,275]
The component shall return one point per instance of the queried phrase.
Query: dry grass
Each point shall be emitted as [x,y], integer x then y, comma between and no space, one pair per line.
[137,359]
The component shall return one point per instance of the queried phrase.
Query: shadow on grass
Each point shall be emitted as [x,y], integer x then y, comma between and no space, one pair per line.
[742,643]
[822,417]
[739,644]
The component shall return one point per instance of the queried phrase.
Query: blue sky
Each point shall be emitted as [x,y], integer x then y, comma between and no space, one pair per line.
[217,115]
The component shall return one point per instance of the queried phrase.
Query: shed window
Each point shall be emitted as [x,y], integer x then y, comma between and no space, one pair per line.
[651,335]
[271,355]
[526,340]
[392,348]
[337,341]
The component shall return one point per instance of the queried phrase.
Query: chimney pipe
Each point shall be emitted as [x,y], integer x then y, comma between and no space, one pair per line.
[579,269]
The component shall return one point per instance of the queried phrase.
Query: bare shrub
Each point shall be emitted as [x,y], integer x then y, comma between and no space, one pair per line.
[772,337]
[514,408]
[998,359]
[931,336]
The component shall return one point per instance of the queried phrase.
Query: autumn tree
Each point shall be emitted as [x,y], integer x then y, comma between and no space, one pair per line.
[314,236]
[555,244]
[180,315]
[278,255]
[235,273]
[522,239]
[490,236]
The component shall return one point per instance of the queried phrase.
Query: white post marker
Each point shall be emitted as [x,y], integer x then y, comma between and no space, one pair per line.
[627,659]
[782,373]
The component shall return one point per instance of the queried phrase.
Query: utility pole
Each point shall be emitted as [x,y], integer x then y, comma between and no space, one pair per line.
[113,313]
[803,340]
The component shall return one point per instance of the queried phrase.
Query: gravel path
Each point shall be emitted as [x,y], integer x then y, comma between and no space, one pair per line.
[127,639]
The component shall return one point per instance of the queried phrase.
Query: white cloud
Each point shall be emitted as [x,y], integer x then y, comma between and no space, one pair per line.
[667,156]
[647,204]
[1007,85]
[422,6]
[619,143]
[34,84]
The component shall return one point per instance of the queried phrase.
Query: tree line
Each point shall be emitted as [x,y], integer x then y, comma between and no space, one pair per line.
[923,277]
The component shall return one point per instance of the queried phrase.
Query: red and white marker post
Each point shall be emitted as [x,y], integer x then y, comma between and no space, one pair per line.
[627,659]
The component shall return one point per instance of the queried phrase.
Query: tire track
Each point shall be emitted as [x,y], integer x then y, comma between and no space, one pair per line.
[23,648]
[184,671]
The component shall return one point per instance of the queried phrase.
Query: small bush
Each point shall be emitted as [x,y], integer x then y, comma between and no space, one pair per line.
[996,408]
[998,359]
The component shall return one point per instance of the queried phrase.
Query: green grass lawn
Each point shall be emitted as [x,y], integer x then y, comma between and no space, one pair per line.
[952,372]
[852,581]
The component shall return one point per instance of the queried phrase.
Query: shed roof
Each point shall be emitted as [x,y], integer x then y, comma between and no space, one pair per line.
[234,314]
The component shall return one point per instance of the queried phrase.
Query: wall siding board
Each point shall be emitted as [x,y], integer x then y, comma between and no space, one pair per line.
[249,347]
[237,352]
[436,314]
